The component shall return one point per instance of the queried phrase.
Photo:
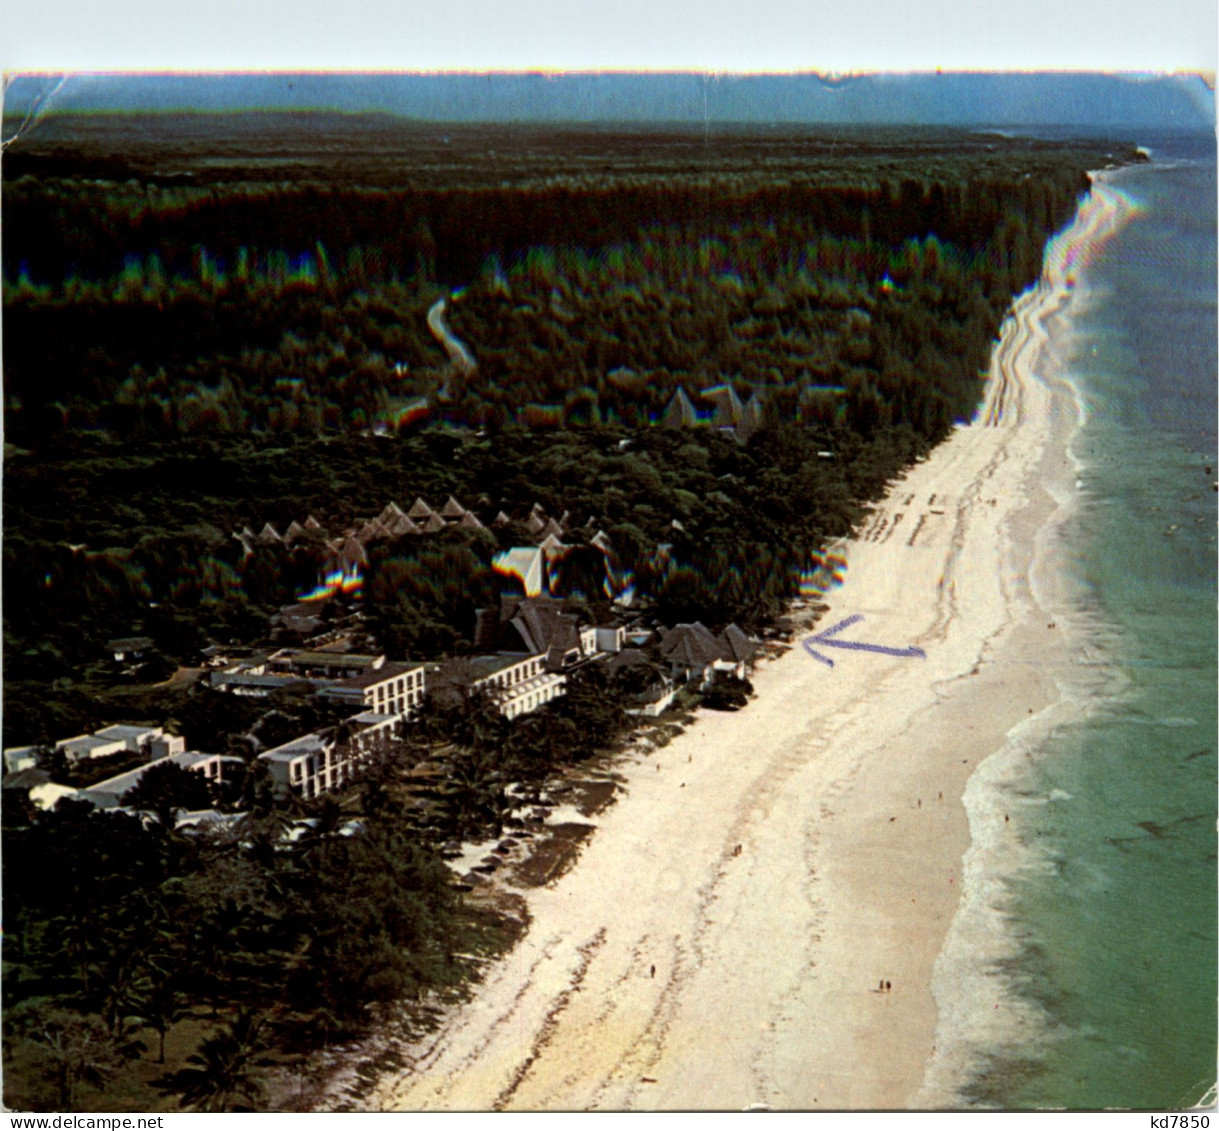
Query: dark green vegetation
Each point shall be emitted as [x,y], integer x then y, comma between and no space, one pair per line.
[148,966]
[164,293]
[119,935]
[206,319]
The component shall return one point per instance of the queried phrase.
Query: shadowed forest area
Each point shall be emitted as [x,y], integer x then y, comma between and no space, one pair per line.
[151,302]
[715,347]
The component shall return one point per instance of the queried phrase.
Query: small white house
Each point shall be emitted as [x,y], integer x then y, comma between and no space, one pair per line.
[151,740]
[610,638]
[322,664]
[36,784]
[90,746]
[126,648]
[18,758]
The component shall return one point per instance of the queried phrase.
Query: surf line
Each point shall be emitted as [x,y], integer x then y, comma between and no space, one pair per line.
[827,639]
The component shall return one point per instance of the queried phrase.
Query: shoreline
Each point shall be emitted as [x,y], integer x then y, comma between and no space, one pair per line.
[721,940]
[981,938]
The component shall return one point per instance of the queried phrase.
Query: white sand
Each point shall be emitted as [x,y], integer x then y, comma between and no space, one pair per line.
[842,788]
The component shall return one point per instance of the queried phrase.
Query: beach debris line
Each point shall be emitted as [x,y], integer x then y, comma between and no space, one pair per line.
[827,639]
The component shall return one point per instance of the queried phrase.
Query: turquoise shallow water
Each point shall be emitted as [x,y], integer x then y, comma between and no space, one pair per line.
[1115,924]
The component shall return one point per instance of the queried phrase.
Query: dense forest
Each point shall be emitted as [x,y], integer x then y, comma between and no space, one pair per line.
[714,349]
[151,310]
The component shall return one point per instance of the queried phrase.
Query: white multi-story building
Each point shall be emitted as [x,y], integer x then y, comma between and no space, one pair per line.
[392,689]
[302,766]
[519,684]
[314,764]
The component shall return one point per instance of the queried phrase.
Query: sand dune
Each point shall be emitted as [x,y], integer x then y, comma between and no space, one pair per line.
[670,970]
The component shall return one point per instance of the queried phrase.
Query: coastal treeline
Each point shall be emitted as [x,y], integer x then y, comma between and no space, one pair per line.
[152,311]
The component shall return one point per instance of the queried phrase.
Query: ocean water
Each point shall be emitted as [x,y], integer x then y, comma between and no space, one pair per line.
[1087,978]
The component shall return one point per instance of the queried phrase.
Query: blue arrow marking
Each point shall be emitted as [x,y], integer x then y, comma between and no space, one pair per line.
[826,640]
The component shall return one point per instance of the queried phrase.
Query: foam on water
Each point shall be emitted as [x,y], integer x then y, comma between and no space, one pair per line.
[982,1016]
[1079,970]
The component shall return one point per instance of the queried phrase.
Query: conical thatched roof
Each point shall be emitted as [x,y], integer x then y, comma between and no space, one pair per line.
[690,646]
[736,644]
[373,531]
[728,409]
[353,553]
[680,411]
[398,524]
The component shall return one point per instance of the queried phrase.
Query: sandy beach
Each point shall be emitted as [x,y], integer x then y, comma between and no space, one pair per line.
[723,937]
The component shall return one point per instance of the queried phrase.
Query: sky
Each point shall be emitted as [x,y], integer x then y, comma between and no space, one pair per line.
[1020,100]
[717,35]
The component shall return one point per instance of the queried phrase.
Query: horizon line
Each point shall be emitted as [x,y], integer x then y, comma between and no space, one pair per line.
[829,73]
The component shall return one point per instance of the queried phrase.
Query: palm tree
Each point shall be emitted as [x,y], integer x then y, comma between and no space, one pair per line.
[123,989]
[166,788]
[81,1051]
[221,1075]
[81,945]
[375,800]
[325,827]
[162,1005]
[473,795]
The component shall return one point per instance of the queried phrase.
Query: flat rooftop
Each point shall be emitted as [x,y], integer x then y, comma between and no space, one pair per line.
[328,659]
[297,748]
[483,666]
[125,731]
[380,675]
[121,783]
